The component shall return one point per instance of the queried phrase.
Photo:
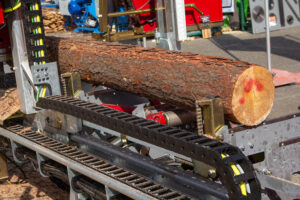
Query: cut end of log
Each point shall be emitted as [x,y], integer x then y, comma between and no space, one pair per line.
[253,96]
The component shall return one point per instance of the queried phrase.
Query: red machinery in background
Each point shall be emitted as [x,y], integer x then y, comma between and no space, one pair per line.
[211,10]
[4,36]
[1,14]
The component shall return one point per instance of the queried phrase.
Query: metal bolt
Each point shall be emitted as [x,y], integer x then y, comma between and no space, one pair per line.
[242,148]
[251,145]
[212,173]
[220,137]
[58,123]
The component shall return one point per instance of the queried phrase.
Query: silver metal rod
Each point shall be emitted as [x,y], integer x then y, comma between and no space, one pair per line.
[268,39]
[144,42]
[162,151]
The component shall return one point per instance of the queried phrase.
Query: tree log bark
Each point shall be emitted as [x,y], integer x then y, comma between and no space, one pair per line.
[176,78]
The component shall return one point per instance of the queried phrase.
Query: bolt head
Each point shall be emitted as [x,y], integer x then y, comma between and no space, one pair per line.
[212,173]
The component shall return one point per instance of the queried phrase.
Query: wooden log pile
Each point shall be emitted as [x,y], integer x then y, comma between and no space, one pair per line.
[53,20]
[176,78]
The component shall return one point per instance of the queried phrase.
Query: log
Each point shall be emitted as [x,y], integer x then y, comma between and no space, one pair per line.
[176,78]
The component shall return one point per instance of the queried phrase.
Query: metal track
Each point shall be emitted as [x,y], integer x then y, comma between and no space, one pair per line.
[197,147]
[34,32]
[141,183]
[179,180]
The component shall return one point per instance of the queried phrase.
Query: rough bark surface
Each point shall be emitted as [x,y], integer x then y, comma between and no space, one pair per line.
[176,78]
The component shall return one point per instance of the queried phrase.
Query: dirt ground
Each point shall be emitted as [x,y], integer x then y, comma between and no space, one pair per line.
[32,187]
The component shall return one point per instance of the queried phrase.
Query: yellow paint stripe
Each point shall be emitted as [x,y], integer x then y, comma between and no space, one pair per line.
[44,91]
[36,6]
[76,93]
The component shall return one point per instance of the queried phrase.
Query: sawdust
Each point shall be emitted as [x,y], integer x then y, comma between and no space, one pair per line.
[9,104]
[24,130]
[34,187]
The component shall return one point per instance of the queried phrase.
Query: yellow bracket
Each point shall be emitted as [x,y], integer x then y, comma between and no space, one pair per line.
[212,114]
[72,83]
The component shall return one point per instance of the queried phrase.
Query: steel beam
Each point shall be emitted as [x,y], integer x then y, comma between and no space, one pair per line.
[23,74]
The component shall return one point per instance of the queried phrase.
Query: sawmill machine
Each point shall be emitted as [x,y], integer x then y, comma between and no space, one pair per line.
[131,19]
[109,144]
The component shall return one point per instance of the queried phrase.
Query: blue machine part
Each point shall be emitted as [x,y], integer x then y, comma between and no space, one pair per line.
[83,13]
[52,4]
[122,22]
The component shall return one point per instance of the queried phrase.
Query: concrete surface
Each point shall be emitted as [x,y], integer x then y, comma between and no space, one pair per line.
[252,48]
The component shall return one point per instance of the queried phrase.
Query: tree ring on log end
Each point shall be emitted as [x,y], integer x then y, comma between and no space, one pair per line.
[253,96]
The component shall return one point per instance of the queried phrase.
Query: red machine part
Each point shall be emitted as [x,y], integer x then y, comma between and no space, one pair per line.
[157,117]
[144,17]
[4,35]
[4,41]
[127,109]
[1,14]
[212,8]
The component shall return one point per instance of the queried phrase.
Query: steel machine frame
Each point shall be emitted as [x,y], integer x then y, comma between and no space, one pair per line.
[104,153]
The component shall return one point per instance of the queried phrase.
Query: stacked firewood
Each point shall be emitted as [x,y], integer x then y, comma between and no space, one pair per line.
[53,20]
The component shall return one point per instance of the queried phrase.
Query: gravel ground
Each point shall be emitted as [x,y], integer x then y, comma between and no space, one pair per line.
[33,187]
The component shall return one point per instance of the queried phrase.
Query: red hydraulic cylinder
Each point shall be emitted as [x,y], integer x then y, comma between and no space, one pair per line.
[1,14]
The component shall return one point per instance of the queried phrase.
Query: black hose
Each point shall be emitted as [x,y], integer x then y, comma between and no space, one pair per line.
[59,175]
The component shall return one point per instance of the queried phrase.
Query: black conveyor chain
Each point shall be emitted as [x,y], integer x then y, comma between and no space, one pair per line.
[180,141]
[127,177]
[34,32]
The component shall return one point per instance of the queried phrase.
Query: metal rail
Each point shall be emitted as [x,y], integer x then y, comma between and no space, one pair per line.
[119,179]
[180,141]
[170,176]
